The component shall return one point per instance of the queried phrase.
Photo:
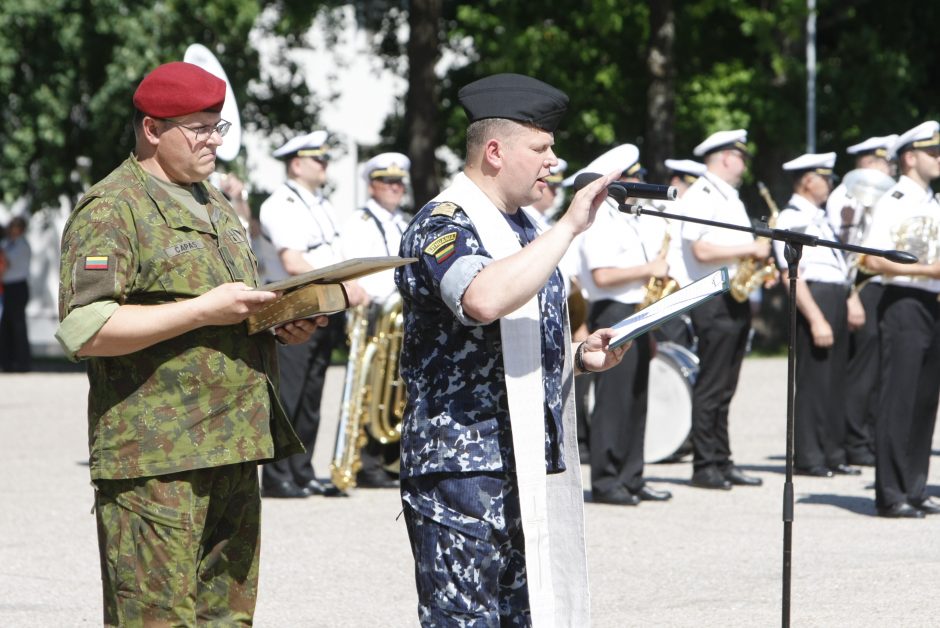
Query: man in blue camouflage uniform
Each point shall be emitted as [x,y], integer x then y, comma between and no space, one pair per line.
[458,465]
[156,281]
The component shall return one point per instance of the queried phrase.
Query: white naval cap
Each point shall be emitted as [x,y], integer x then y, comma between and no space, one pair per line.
[309,145]
[625,158]
[556,172]
[723,140]
[387,165]
[686,166]
[879,146]
[820,163]
[923,135]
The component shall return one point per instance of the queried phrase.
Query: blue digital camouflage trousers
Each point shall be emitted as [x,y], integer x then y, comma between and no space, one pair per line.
[467,542]
[180,549]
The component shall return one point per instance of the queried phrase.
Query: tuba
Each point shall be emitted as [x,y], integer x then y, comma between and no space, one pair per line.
[373,401]
[384,391]
[659,287]
[753,272]
[349,434]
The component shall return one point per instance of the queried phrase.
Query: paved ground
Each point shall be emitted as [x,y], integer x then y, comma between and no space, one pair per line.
[704,559]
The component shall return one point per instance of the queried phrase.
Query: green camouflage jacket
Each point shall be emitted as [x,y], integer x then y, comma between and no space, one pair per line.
[205,398]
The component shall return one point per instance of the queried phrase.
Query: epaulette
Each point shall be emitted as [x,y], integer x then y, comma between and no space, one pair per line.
[445,209]
[897,194]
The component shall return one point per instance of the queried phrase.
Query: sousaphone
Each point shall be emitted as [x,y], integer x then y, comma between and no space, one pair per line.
[197,54]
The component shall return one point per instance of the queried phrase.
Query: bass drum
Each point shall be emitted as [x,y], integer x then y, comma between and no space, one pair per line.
[669,414]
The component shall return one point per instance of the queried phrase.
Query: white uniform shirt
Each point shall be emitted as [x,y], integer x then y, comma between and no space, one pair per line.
[907,206]
[374,232]
[620,240]
[817,263]
[838,199]
[297,219]
[710,198]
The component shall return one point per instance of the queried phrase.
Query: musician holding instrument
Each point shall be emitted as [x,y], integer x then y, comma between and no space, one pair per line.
[490,482]
[376,230]
[302,228]
[827,309]
[722,324]
[907,218]
[620,256]
[849,211]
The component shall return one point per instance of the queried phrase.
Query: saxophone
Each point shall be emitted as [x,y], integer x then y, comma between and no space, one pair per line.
[659,287]
[753,272]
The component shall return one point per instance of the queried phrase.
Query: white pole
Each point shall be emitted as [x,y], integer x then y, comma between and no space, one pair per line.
[811,76]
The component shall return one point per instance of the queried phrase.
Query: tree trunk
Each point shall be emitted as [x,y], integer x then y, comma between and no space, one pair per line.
[421,103]
[661,98]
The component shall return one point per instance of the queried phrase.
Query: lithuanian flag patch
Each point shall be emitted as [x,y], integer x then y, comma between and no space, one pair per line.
[96,262]
[443,247]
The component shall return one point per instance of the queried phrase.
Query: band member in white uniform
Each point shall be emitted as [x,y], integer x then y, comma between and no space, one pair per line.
[907,217]
[721,324]
[618,257]
[849,220]
[826,309]
[302,229]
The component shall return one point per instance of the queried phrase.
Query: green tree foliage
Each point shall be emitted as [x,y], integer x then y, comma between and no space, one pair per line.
[69,68]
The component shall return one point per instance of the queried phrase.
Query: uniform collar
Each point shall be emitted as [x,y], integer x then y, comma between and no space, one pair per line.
[175,214]
[803,204]
[909,186]
[726,189]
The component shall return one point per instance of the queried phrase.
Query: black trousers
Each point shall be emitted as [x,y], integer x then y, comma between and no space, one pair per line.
[14,339]
[819,421]
[302,376]
[618,422]
[722,325]
[909,320]
[863,377]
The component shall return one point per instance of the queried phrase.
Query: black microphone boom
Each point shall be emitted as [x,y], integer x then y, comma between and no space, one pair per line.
[620,191]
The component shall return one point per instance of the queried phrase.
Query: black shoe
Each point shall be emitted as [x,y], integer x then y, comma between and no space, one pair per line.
[901,511]
[325,488]
[618,496]
[739,478]
[710,477]
[929,506]
[285,489]
[866,459]
[844,469]
[375,479]
[648,494]
[816,472]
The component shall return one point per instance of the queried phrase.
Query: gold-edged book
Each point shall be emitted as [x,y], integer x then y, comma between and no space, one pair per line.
[318,292]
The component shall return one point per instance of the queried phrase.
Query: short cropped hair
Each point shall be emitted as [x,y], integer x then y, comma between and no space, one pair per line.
[479,132]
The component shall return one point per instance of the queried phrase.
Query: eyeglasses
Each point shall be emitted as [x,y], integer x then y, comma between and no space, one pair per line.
[203,132]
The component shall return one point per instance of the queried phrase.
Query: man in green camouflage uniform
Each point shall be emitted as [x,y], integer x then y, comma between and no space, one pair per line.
[156,281]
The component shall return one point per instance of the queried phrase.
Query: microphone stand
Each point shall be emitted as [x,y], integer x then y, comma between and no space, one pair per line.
[793,252]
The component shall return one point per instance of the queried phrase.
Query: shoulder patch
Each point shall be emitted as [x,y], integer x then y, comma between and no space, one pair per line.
[442,247]
[706,189]
[445,209]
[897,194]
[365,217]
[290,199]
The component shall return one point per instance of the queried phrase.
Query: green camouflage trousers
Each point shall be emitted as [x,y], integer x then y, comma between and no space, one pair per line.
[180,549]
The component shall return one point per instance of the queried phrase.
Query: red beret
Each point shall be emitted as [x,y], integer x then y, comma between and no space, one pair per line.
[178,88]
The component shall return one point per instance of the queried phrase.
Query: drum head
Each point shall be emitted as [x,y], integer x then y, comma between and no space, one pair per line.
[669,414]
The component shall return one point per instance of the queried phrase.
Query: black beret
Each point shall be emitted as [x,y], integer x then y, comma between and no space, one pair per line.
[514,97]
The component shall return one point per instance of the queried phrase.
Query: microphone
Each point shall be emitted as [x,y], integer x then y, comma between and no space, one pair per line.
[620,191]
